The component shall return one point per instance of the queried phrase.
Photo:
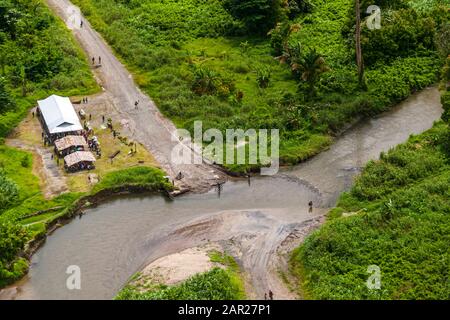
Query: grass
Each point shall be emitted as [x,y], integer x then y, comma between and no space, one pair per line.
[145,177]
[219,283]
[402,226]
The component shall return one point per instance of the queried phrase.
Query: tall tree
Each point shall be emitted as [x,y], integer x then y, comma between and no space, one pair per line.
[6,101]
[359,57]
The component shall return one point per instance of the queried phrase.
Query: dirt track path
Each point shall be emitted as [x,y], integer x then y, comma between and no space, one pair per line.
[146,124]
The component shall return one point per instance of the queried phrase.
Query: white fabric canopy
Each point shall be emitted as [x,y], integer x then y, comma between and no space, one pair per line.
[59,115]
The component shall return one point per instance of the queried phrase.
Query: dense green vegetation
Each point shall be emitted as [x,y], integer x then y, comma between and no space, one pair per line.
[38,57]
[212,61]
[396,216]
[216,284]
[212,285]
[142,177]
[402,225]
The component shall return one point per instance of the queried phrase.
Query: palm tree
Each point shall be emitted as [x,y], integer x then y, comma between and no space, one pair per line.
[263,77]
[205,81]
[309,67]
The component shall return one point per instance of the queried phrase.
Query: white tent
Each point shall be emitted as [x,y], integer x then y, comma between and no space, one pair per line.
[59,115]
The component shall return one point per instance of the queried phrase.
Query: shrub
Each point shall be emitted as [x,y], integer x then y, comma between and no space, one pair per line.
[12,241]
[9,191]
[445,99]
[6,101]
[216,284]
[259,16]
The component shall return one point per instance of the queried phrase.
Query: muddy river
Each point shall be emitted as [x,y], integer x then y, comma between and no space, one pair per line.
[114,240]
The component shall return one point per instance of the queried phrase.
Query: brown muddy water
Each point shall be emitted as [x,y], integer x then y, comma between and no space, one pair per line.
[116,239]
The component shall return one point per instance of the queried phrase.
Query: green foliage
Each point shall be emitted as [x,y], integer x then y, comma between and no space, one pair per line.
[445,100]
[216,284]
[403,226]
[194,70]
[12,240]
[6,101]
[442,40]
[8,191]
[309,67]
[404,33]
[145,177]
[38,56]
[259,16]
[263,77]
[209,82]
[297,7]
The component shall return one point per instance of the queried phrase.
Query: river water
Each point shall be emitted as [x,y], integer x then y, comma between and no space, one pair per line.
[114,240]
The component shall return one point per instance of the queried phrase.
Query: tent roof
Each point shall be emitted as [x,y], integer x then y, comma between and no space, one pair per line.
[70,141]
[79,156]
[59,115]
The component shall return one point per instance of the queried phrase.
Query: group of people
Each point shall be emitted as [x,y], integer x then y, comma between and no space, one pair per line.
[270,295]
[80,167]
[93,58]
[94,145]
[99,61]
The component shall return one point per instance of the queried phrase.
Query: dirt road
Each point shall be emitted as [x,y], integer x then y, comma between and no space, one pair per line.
[146,124]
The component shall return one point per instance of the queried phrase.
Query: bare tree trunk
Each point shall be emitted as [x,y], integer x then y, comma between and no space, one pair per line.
[359,57]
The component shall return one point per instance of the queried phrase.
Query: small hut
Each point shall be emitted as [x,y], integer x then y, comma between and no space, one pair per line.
[69,144]
[58,118]
[78,161]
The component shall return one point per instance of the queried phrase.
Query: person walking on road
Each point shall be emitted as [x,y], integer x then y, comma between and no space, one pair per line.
[270,295]
[136,105]
[310,204]
[99,60]
[93,60]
